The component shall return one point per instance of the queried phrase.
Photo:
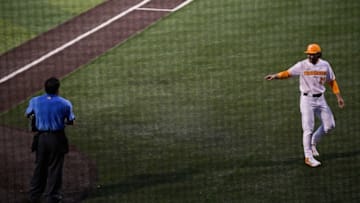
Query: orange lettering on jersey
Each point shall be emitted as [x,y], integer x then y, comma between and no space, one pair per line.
[314,72]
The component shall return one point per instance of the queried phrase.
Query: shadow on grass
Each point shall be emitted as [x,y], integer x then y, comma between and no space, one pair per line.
[137,182]
[338,155]
[253,163]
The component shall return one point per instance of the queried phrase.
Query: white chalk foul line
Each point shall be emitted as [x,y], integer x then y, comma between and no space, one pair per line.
[182,5]
[57,50]
[167,10]
[154,9]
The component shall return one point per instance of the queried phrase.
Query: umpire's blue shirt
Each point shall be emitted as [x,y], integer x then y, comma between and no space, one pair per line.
[50,112]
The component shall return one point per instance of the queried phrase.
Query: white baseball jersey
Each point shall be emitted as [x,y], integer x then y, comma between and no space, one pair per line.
[312,77]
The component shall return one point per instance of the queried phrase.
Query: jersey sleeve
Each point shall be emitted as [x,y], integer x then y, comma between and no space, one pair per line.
[330,74]
[30,109]
[331,79]
[70,114]
[295,70]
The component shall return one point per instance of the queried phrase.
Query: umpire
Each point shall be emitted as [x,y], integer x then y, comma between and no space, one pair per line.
[51,113]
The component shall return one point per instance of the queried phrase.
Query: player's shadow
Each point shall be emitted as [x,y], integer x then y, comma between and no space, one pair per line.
[138,182]
[333,156]
[251,163]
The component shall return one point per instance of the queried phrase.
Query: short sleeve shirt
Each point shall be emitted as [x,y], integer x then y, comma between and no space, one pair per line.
[312,77]
[50,112]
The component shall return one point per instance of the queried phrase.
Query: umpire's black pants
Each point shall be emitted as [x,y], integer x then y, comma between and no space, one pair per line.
[50,152]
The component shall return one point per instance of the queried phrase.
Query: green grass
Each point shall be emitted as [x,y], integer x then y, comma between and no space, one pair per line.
[181,113]
[23,20]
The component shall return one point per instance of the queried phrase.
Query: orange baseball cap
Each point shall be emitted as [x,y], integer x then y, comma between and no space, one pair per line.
[313,49]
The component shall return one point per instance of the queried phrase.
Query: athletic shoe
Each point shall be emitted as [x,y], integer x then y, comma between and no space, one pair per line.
[314,150]
[310,161]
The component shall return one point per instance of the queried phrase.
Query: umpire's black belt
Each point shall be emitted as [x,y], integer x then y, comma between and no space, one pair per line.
[312,95]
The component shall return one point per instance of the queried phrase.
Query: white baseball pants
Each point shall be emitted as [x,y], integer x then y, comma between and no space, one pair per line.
[310,107]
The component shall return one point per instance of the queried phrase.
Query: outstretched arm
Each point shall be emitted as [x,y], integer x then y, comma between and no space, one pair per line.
[280,75]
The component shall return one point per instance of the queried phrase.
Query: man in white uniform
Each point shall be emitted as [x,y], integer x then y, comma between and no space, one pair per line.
[313,73]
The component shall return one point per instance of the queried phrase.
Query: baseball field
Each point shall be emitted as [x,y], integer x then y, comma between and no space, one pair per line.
[180,111]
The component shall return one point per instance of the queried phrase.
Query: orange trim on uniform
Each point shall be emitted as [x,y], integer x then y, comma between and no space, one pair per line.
[334,86]
[283,74]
